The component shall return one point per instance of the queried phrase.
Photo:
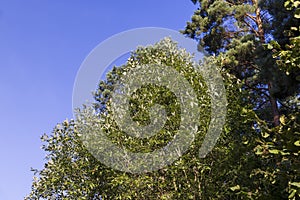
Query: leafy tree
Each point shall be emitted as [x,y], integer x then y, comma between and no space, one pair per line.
[279,147]
[287,54]
[71,172]
[258,43]
[255,46]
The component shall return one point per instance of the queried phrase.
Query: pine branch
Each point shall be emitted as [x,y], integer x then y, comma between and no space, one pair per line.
[251,27]
[251,17]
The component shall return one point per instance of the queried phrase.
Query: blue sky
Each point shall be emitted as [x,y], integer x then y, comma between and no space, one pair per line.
[42,44]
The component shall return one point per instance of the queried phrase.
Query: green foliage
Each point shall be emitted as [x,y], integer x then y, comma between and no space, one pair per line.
[279,150]
[258,43]
[71,172]
[241,32]
[254,45]
[288,56]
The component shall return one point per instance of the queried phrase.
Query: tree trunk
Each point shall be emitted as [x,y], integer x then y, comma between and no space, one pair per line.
[261,34]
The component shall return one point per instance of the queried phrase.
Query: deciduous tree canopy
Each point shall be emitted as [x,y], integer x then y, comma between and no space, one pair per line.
[255,46]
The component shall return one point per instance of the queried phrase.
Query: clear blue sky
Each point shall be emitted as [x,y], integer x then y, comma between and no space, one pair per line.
[42,44]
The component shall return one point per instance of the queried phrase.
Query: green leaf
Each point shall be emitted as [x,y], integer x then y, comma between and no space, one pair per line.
[234,188]
[282,119]
[296,4]
[292,195]
[286,3]
[297,143]
[265,134]
[274,151]
[297,184]
[269,46]
[294,28]
[246,142]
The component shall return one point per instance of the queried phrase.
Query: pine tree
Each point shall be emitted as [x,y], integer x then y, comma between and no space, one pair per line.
[258,42]
[241,33]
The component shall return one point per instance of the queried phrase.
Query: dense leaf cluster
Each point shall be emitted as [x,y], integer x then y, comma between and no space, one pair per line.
[255,46]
